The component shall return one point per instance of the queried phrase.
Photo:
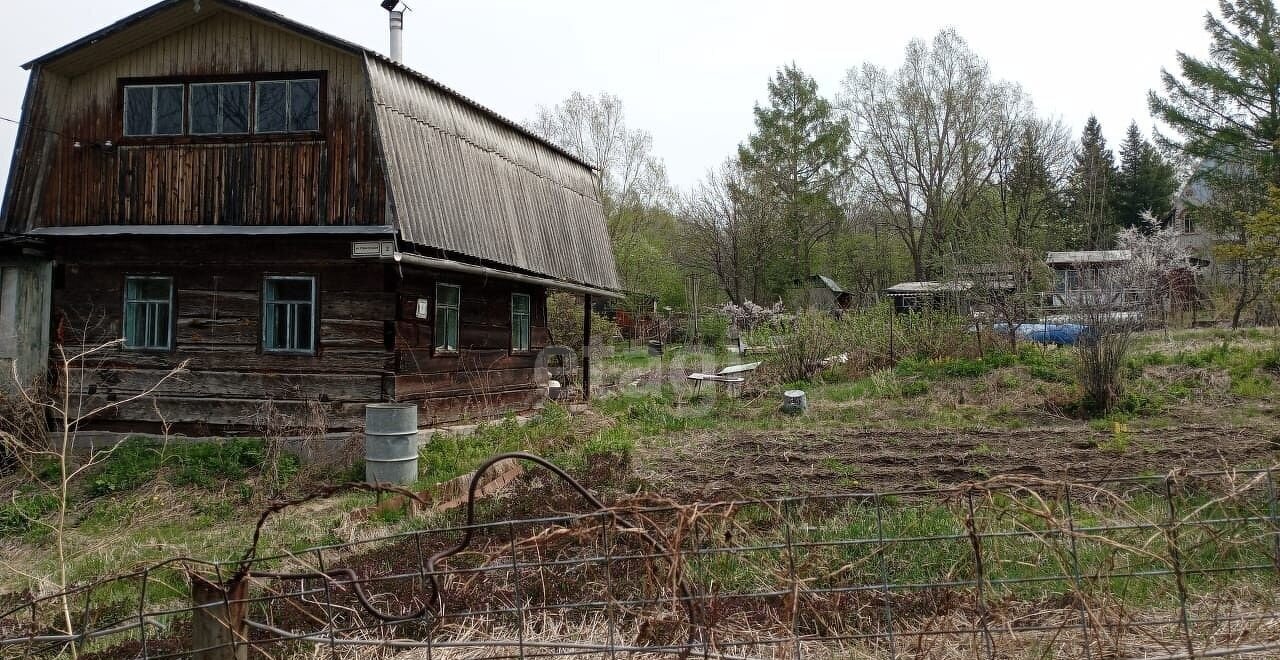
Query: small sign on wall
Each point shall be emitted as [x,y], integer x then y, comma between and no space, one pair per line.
[420,311]
[383,249]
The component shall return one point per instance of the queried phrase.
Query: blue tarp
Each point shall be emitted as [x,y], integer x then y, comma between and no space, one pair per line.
[1065,334]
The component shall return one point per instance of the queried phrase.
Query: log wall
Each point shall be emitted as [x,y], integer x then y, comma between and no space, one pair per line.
[229,379]
[370,345]
[484,377]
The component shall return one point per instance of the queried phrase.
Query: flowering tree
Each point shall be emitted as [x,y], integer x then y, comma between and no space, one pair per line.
[749,316]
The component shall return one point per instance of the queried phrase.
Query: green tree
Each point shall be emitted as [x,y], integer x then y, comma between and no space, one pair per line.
[798,158]
[1226,108]
[932,138]
[1145,181]
[1091,192]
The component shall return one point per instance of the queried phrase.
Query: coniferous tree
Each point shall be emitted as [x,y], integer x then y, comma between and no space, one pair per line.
[798,157]
[1227,110]
[1146,181]
[1091,194]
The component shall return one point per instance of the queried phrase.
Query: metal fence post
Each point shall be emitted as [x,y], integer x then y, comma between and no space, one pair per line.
[217,625]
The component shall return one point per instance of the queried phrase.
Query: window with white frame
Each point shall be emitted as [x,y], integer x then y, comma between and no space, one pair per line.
[285,106]
[219,108]
[148,313]
[521,307]
[289,314]
[448,317]
[153,110]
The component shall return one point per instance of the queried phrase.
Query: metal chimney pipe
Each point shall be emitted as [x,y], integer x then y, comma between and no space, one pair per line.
[397,36]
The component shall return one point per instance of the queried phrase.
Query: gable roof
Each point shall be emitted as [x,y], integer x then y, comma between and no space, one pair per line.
[463,181]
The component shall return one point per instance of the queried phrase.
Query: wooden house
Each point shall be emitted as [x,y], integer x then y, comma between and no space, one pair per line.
[309,225]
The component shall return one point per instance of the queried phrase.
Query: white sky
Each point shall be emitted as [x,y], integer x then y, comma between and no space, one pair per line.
[689,71]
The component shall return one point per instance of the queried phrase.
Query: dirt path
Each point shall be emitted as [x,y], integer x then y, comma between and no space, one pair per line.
[720,465]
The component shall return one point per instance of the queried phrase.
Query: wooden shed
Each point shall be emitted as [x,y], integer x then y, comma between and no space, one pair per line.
[308,224]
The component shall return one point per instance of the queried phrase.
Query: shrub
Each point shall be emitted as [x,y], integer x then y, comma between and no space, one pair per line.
[564,321]
[712,330]
[814,337]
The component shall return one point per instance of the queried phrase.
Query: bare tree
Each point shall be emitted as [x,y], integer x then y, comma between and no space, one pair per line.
[66,406]
[727,232]
[930,138]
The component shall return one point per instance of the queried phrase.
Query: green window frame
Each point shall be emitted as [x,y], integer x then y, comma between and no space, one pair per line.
[148,313]
[448,317]
[521,314]
[289,314]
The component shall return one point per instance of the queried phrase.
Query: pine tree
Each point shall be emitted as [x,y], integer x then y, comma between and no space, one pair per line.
[798,157]
[1145,183]
[1227,110]
[1091,195]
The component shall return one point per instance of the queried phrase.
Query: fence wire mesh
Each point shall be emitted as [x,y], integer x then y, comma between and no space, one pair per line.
[1173,566]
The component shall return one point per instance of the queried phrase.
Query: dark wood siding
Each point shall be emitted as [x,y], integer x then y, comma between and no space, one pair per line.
[330,178]
[230,381]
[484,378]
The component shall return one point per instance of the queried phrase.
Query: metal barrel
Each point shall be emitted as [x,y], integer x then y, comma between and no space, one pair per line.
[391,443]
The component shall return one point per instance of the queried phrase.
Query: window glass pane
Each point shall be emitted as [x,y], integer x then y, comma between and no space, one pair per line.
[520,303]
[204,109]
[137,110]
[291,290]
[235,108]
[148,289]
[168,110]
[304,111]
[271,114]
[447,295]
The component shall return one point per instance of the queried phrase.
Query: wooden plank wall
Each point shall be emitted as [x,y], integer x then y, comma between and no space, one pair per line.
[484,378]
[218,287]
[333,178]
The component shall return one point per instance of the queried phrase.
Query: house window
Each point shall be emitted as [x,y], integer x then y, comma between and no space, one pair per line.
[448,302]
[219,108]
[148,313]
[288,314]
[285,106]
[520,312]
[153,110]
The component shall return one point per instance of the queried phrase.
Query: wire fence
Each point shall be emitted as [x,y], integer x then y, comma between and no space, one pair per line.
[1158,567]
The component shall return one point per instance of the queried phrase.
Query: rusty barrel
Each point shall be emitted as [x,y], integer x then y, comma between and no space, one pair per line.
[391,443]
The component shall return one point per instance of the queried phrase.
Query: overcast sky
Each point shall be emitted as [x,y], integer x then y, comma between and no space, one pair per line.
[689,71]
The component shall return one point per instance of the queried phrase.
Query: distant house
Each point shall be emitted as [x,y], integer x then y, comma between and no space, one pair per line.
[310,224]
[914,297]
[1079,277]
[818,292]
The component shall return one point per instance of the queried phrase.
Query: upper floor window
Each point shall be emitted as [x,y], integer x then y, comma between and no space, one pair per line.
[148,313]
[238,107]
[287,106]
[153,109]
[219,108]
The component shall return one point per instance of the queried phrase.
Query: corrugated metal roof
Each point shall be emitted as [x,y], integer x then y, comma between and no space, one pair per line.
[1089,257]
[466,184]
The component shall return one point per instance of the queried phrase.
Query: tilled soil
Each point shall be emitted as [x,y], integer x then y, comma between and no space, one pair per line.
[750,464]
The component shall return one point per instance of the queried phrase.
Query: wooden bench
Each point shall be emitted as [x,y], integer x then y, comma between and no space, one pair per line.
[728,376]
